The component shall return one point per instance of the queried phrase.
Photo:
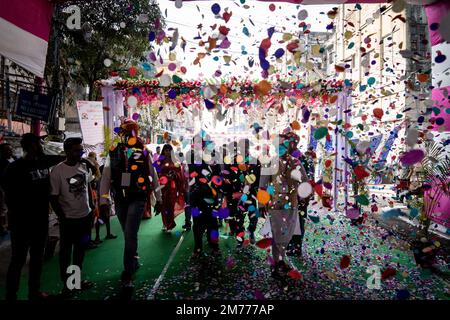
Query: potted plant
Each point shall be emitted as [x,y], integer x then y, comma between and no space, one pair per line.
[434,176]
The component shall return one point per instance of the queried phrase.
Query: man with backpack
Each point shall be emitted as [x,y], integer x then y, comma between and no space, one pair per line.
[131,177]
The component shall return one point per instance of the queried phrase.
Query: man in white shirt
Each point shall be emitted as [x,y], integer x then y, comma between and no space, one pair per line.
[70,201]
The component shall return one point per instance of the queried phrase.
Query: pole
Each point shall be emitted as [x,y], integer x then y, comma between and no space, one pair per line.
[6,93]
[35,123]
[8,104]
[346,155]
[339,105]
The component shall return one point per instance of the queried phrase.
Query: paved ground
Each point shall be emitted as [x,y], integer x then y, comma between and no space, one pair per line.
[168,272]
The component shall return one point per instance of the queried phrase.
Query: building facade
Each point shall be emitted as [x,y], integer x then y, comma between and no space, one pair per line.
[385,52]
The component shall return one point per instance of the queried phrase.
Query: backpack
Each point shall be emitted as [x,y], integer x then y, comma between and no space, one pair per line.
[135,161]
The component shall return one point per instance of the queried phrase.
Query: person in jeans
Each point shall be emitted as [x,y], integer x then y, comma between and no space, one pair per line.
[70,183]
[26,184]
[129,175]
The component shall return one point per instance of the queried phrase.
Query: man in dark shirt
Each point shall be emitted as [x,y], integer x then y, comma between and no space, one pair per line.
[27,190]
[295,246]
[204,184]
[6,157]
[242,178]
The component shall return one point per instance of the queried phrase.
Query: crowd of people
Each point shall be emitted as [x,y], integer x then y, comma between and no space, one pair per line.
[231,189]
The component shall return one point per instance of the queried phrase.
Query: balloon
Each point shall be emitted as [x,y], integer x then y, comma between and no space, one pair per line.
[352,213]
[378,113]
[215,8]
[295,125]
[302,14]
[151,36]
[411,157]
[296,174]
[178,4]
[172,94]
[304,190]
[279,53]
[263,197]
[172,66]
[165,80]
[132,101]
[320,133]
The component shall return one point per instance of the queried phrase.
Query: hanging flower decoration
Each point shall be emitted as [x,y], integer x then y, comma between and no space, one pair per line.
[233,93]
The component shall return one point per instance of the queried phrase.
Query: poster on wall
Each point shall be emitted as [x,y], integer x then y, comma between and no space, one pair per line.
[90,114]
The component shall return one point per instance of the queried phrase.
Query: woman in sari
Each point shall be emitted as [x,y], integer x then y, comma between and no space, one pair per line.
[172,180]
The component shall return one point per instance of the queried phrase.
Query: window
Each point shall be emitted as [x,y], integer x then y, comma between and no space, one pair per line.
[330,56]
[366,60]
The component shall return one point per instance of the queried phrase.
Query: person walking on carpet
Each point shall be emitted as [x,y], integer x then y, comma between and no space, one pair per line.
[130,177]
[172,180]
[70,187]
[283,205]
[204,184]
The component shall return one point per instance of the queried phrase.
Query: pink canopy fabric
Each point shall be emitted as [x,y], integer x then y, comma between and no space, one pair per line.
[311,1]
[436,13]
[24,32]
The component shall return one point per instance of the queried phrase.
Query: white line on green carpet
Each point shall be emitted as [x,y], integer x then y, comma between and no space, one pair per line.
[151,295]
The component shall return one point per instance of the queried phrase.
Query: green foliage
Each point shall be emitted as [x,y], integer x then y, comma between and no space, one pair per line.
[436,166]
[110,29]
[435,173]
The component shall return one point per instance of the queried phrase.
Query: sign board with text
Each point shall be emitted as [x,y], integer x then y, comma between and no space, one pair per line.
[34,105]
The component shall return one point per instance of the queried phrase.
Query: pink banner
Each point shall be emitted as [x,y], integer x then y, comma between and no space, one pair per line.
[441,213]
[24,32]
[441,114]
[33,16]
[435,13]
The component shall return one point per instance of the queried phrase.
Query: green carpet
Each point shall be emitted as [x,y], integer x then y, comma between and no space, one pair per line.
[103,265]
[245,273]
